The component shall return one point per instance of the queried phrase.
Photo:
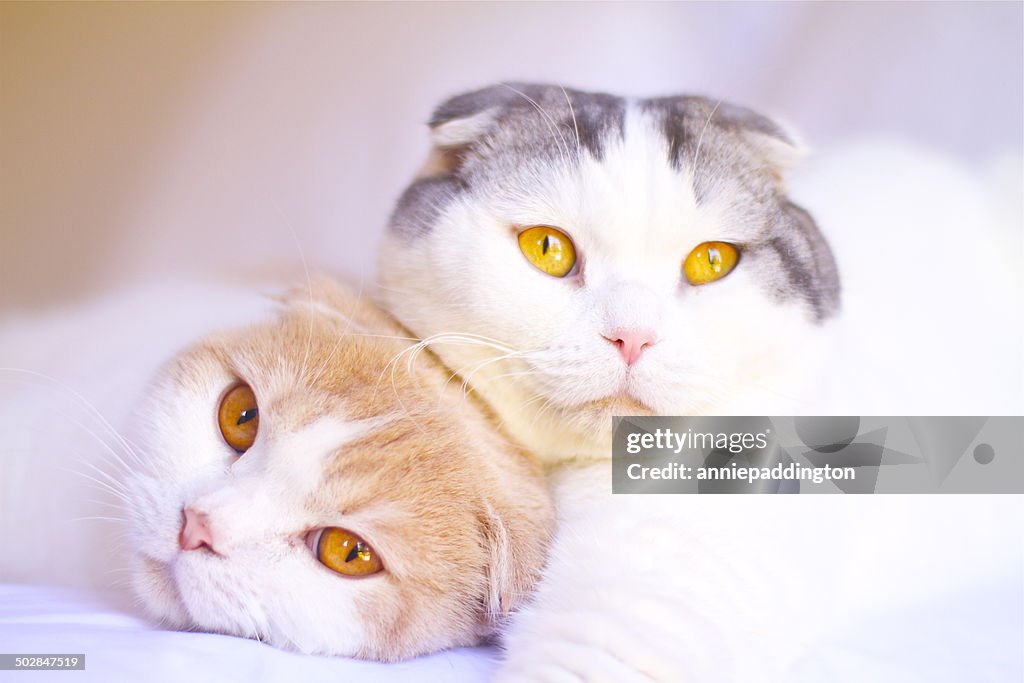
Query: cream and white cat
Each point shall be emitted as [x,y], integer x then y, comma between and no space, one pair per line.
[630,256]
[315,481]
[308,482]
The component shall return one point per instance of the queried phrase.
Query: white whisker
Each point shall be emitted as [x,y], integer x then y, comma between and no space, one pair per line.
[123,442]
[700,138]
[575,125]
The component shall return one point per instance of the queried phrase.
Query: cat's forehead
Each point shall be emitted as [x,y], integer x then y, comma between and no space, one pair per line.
[301,366]
[636,199]
[614,166]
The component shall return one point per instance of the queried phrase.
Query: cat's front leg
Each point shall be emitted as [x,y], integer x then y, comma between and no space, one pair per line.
[660,588]
[607,608]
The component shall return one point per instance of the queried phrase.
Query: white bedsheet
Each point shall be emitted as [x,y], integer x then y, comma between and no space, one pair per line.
[120,646]
[975,635]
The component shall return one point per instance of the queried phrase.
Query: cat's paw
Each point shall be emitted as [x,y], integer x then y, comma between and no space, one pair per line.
[590,646]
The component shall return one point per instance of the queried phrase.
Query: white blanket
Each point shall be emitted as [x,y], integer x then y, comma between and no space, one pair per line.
[119,646]
[975,635]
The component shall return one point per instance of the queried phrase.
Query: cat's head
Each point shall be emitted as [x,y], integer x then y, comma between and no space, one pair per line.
[631,256]
[303,483]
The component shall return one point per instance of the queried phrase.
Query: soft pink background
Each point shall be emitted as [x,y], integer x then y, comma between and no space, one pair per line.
[142,140]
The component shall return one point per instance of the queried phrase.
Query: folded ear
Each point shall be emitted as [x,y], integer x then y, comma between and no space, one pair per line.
[464,118]
[460,121]
[777,144]
[517,532]
[696,126]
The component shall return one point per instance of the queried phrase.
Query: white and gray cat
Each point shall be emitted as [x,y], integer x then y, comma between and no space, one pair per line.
[642,256]
[625,191]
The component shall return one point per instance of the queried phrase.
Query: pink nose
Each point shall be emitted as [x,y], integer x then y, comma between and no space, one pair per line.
[195,531]
[631,343]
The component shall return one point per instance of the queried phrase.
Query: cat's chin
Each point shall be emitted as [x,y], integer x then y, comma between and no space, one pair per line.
[593,419]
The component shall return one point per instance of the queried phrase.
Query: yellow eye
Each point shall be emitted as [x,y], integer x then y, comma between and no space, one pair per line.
[239,417]
[548,249]
[346,553]
[710,261]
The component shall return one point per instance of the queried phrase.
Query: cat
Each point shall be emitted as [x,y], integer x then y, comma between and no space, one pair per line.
[316,484]
[642,256]
[604,176]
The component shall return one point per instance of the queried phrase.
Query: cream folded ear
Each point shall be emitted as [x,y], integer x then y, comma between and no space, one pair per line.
[516,522]
[517,534]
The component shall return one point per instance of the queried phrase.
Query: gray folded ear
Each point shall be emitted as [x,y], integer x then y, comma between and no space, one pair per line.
[459,131]
[462,120]
[534,118]
[699,126]
[777,143]
[452,138]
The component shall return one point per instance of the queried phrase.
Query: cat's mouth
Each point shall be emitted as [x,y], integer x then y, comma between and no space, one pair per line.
[628,397]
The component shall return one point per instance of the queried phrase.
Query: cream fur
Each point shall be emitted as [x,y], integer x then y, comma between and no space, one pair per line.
[347,438]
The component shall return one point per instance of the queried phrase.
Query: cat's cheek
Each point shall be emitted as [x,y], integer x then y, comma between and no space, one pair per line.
[217,595]
[156,518]
[158,594]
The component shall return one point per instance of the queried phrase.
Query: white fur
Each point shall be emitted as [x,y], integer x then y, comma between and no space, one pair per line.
[745,588]
[670,588]
[633,224]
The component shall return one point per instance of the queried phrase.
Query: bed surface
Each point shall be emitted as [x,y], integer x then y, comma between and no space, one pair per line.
[120,646]
[974,635]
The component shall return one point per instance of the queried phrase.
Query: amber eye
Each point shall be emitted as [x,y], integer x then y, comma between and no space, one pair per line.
[239,417]
[710,261]
[548,249]
[345,553]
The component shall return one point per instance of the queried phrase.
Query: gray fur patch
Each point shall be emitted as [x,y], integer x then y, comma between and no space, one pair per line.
[722,147]
[423,202]
[807,260]
[687,118]
[534,125]
[557,117]
[713,139]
